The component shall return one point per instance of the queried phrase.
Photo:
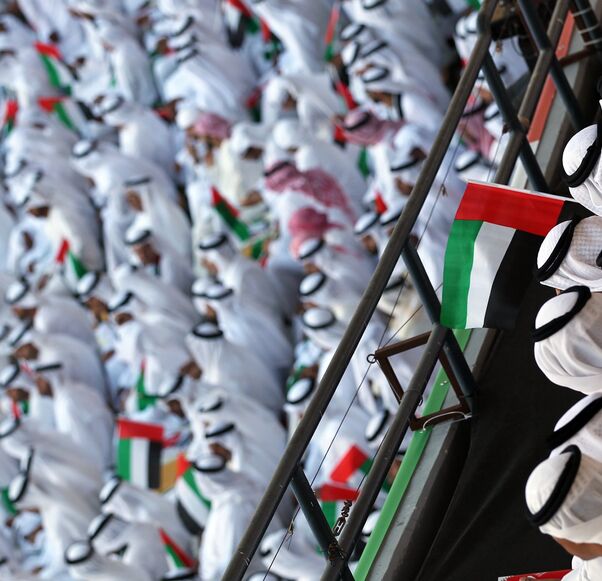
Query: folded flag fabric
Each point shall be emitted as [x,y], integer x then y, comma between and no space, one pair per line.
[139,453]
[143,400]
[534,576]
[66,109]
[332,498]
[331,30]
[193,507]
[492,252]
[11,110]
[230,215]
[59,75]
[353,461]
[177,557]
[73,268]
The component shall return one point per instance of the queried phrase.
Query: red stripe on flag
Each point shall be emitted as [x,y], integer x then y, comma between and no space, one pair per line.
[254,98]
[550,575]
[129,429]
[339,134]
[12,108]
[379,204]
[182,465]
[48,103]
[240,6]
[343,90]
[184,558]
[63,250]
[266,33]
[527,211]
[332,23]
[219,199]
[48,50]
[333,493]
[351,462]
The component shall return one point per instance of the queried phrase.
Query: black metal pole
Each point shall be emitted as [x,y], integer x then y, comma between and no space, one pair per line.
[429,298]
[533,92]
[543,43]
[505,104]
[388,450]
[588,25]
[315,518]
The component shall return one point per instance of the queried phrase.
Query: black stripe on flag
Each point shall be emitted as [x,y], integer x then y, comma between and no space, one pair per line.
[154,465]
[512,280]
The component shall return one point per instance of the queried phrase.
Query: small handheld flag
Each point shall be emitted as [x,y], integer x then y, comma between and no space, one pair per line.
[139,453]
[491,253]
[230,215]
[59,75]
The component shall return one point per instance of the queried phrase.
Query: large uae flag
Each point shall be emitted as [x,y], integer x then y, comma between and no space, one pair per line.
[139,453]
[492,253]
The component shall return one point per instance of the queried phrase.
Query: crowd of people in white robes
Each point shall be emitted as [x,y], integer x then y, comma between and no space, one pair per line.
[194,196]
[564,492]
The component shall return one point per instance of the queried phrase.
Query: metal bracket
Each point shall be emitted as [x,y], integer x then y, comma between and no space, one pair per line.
[383,357]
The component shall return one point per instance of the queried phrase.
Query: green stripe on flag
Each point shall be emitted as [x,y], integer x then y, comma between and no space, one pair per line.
[362,162]
[238,227]
[124,454]
[59,109]
[144,401]
[6,503]
[330,510]
[76,264]
[188,477]
[459,259]
[51,71]
[175,560]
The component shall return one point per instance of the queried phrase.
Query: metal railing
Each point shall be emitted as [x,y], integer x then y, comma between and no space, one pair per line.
[289,470]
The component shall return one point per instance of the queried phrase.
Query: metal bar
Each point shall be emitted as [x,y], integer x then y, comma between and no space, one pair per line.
[401,346]
[429,298]
[315,518]
[387,451]
[510,117]
[533,93]
[543,43]
[588,24]
[366,307]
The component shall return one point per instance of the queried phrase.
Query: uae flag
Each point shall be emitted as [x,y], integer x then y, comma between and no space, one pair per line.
[139,449]
[143,400]
[237,15]
[66,110]
[10,116]
[72,267]
[354,460]
[176,556]
[59,75]
[230,215]
[193,507]
[332,499]
[7,505]
[492,252]
[331,30]
[533,576]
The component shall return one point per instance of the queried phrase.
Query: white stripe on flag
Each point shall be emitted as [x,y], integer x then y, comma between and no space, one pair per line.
[489,250]
[139,461]
[196,508]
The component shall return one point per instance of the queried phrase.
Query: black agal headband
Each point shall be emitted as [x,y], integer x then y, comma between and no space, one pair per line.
[553,262]
[589,161]
[555,325]
[561,490]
